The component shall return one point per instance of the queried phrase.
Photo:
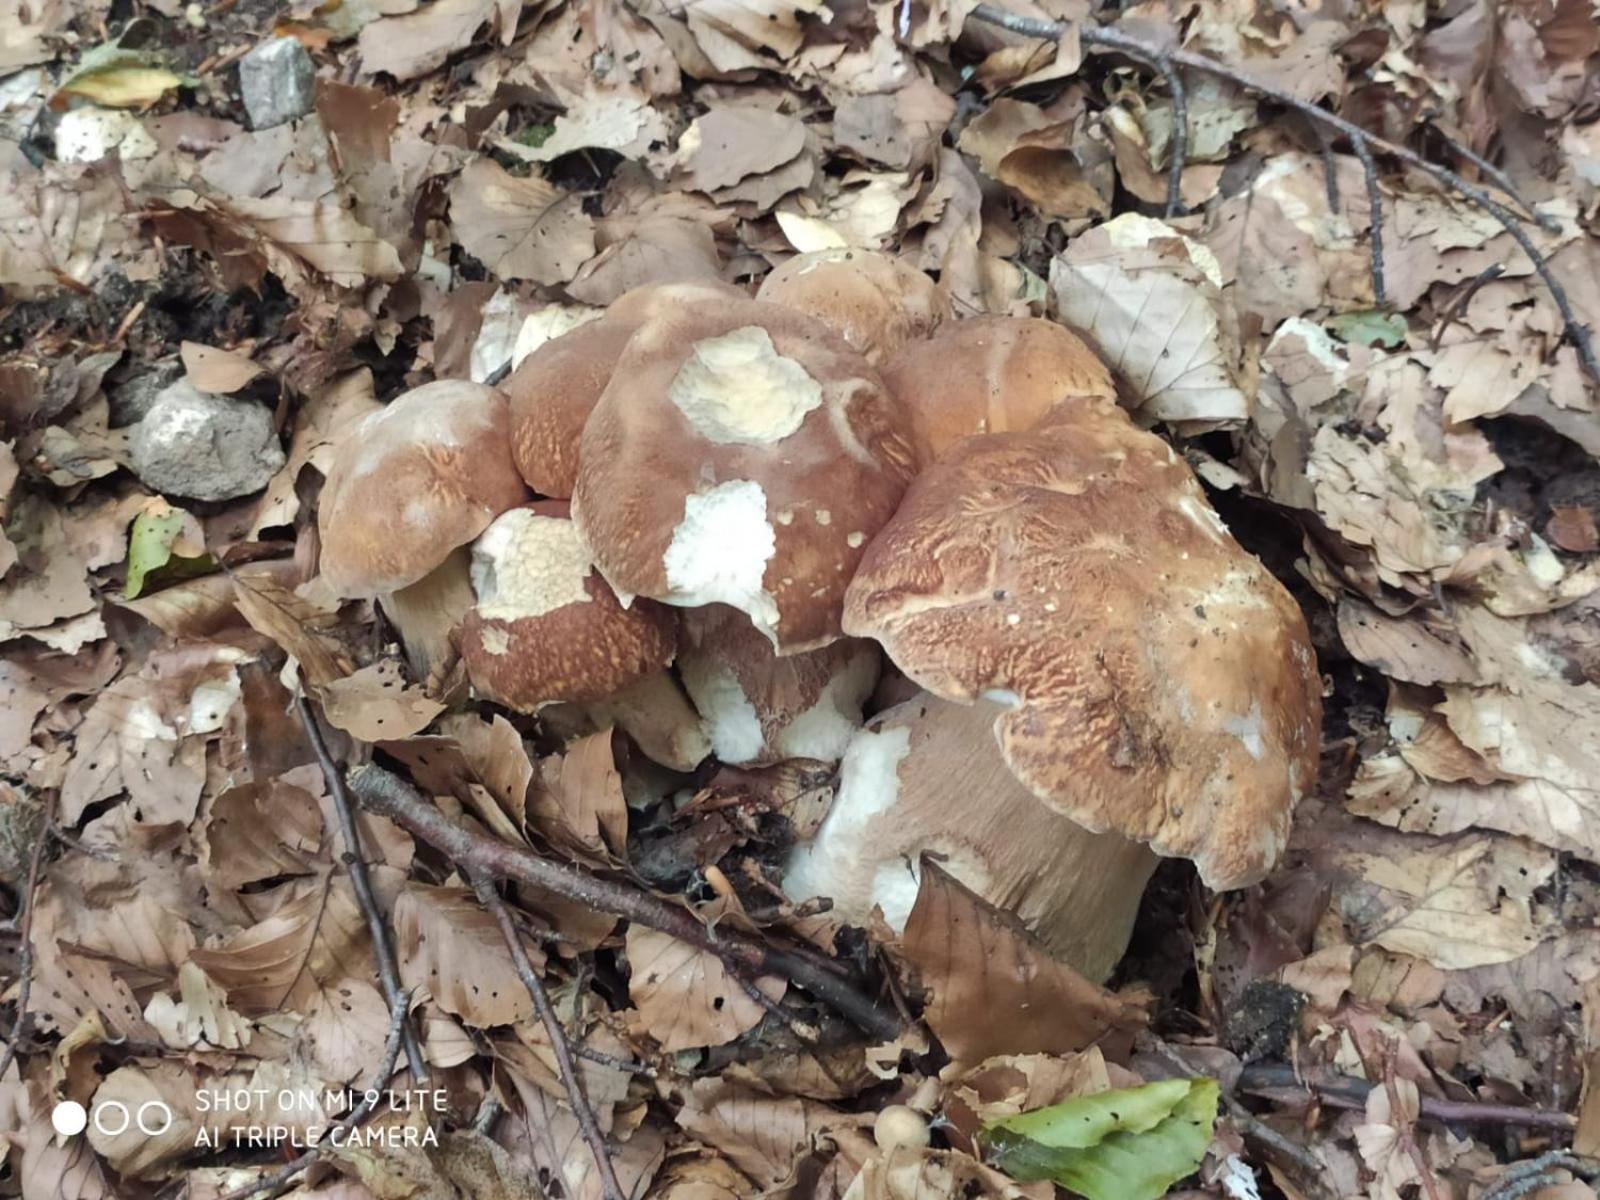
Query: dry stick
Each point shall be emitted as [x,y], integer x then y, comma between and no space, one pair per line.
[356,865]
[386,794]
[1345,1091]
[274,1184]
[484,885]
[1521,1178]
[1501,180]
[1369,171]
[25,957]
[1125,43]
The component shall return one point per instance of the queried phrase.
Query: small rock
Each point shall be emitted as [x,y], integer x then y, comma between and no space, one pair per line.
[277,81]
[131,399]
[204,447]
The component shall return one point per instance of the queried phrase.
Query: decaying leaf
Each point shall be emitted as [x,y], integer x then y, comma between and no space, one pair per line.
[520,228]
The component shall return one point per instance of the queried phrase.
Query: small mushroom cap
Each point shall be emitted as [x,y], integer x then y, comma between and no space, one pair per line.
[546,627]
[1159,681]
[991,375]
[554,389]
[742,455]
[413,481]
[876,302]
[758,708]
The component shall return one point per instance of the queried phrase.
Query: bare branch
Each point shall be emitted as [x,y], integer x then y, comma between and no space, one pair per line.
[386,794]
[356,864]
[483,884]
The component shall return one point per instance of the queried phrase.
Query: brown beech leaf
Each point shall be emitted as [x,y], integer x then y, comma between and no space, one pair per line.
[549,1135]
[579,807]
[730,143]
[685,996]
[259,831]
[376,702]
[978,961]
[292,622]
[520,228]
[762,1135]
[214,370]
[414,44]
[450,944]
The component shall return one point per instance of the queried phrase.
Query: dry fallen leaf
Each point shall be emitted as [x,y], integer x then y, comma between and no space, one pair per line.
[686,997]
[520,228]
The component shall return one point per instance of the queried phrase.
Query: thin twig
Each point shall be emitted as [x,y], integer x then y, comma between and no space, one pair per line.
[1346,1091]
[630,1066]
[386,794]
[1312,1169]
[1125,43]
[1369,169]
[355,863]
[274,1184]
[25,955]
[1404,1129]
[1180,135]
[484,885]
[1521,1178]
[1500,179]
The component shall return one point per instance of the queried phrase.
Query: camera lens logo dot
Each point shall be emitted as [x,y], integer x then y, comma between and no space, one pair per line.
[69,1118]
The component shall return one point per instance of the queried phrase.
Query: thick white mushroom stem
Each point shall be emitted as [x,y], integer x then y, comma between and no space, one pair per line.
[656,714]
[928,776]
[429,610]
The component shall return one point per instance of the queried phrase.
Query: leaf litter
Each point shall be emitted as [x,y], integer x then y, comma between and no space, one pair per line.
[1407,1007]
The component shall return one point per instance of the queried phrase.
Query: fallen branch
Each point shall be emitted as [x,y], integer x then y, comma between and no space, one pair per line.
[356,865]
[1346,1091]
[1523,1178]
[484,885]
[386,794]
[25,953]
[274,1184]
[1167,59]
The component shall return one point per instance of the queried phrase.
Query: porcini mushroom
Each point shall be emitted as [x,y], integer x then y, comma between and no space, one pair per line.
[546,628]
[407,487]
[744,456]
[1157,681]
[876,302]
[757,708]
[991,375]
[927,777]
[554,389]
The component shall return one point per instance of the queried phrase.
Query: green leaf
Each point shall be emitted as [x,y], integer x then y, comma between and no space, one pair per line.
[162,540]
[1128,1144]
[1369,328]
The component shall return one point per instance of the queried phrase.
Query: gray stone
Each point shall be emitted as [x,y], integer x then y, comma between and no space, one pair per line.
[132,398]
[204,447]
[277,81]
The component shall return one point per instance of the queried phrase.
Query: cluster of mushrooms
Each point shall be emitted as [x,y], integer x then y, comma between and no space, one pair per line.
[732,525]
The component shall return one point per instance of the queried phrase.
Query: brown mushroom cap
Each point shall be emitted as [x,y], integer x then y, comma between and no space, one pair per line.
[410,483]
[742,455]
[925,776]
[546,627]
[991,375]
[1161,682]
[554,389]
[757,708]
[876,302]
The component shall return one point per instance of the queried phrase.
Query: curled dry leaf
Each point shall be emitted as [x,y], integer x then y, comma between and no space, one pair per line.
[1151,299]
[450,945]
[258,831]
[376,702]
[214,370]
[520,228]
[976,961]
[579,807]
[686,997]
[762,1135]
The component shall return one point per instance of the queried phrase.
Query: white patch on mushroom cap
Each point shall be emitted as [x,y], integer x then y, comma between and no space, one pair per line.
[726,714]
[737,388]
[1203,516]
[869,785]
[526,565]
[824,730]
[720,550]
